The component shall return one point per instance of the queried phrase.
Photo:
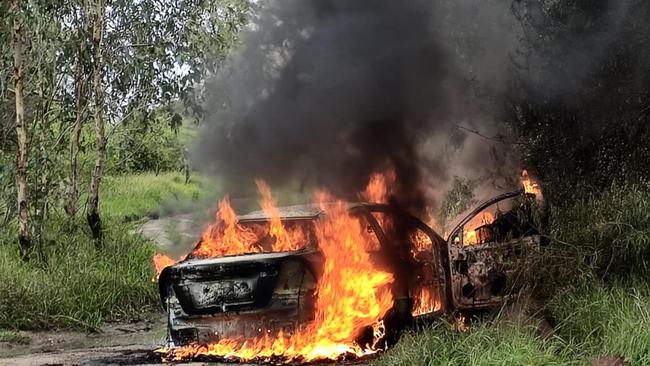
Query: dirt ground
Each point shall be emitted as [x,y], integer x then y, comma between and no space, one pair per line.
[175,231]
[115,344]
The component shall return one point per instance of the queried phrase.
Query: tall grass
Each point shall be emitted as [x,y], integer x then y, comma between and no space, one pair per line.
[595,278]
[75,284]
[484,344]
[606,319]
[593,319]
[609,230]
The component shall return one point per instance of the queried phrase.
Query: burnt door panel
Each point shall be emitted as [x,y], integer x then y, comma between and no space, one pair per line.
[489,250]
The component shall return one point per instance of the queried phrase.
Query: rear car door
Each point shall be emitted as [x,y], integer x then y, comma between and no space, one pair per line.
[490,250]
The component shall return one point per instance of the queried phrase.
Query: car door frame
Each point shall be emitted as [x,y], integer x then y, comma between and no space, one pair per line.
[438,244]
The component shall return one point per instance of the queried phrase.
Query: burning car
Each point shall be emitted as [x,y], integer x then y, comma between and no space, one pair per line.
[332,279]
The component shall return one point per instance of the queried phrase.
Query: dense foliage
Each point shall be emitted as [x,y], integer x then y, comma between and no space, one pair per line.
[580,101]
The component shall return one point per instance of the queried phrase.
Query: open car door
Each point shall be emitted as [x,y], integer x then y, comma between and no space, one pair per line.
[489,249]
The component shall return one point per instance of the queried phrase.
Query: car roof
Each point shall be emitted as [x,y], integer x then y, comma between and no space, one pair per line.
[296,212]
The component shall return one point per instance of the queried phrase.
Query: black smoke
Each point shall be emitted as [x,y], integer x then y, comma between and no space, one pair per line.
[323,93]
[359,89]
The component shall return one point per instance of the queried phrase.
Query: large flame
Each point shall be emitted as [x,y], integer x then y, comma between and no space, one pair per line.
[160,262]
[379,190]
[226,237]
[352,294]
[285,240]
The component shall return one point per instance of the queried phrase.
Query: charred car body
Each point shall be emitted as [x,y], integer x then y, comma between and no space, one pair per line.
[208,299]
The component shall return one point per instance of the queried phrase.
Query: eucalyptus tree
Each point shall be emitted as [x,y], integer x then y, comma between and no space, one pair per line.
[79,25]
[148,53]
[112,61]
[43,89]
[92,208]
[24,238]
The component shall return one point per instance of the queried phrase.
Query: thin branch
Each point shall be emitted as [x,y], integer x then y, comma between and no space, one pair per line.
[498,139]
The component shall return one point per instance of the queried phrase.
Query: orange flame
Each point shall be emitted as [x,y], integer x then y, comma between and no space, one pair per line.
[531,186]
[229,237]
[226,237]
[460,324]
[379,190]
[351,295]
[421,242]
[284,240]
[425,301]
[161,261]
[470,235]
[379,187]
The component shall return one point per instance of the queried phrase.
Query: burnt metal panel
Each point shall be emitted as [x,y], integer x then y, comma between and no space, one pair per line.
[290,305]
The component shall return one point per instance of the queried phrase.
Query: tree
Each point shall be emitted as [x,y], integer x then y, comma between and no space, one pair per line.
[146,45]
[118,61]
[24,238]
[81,103]
[92,209]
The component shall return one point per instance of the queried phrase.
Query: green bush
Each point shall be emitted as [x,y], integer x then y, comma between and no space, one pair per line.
[148,144]
[73,284]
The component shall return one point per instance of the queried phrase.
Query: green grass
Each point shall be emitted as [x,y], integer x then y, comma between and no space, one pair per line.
[484,344]
[77,285]
[15,337]
[596,279]
[606,319]
[592,320]
[131,197]
[608,231]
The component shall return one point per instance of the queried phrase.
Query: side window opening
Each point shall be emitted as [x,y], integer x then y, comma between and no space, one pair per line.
[499,222]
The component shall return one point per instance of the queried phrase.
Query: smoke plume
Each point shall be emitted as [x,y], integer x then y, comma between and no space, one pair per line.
[324,93]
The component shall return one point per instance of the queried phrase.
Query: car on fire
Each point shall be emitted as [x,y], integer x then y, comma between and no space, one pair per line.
[474,267]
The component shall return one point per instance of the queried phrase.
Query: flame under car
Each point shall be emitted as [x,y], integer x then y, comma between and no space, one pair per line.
[268,292]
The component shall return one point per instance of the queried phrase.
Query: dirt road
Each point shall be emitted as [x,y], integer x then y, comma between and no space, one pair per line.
[115,344]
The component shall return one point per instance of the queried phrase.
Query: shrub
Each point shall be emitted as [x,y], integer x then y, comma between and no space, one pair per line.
[130,197]
[74,284]
[147,145]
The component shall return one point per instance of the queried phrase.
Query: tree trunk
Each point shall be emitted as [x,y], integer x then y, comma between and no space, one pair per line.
[92,209]
[24,238]
[80,110]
